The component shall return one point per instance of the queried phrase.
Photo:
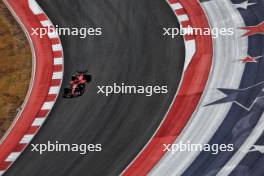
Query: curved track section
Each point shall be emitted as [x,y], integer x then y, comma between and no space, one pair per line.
[45,85]
[190,91]
[131,50]
[244,118]
[206,120]
[249,159]
[185,22]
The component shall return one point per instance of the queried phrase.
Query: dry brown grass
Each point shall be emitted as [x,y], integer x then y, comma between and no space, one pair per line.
[15,68]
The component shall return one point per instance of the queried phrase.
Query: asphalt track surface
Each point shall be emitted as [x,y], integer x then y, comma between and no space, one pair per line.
[132,50]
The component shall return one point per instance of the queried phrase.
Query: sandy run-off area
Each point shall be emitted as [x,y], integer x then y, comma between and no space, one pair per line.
[15,68]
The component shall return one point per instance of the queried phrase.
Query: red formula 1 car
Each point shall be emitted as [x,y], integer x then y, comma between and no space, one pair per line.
[77,84]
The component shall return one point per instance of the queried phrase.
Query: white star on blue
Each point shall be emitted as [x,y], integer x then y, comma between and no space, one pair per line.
[244,5]
[245,98]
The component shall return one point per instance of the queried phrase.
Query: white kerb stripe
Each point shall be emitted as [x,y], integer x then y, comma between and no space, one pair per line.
[176,6]
[57,75]
[12,156]
[183,18]
[46,23]
[47,105]
[58,61]
[57,47]
[53,35]
[190,48]
[35,8]
[38,122]
[26,139]
[2,172]
[54,90]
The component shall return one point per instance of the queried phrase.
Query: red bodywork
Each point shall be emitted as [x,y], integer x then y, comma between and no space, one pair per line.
[79,79]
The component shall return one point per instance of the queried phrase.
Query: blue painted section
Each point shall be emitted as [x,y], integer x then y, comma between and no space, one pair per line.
[239,122]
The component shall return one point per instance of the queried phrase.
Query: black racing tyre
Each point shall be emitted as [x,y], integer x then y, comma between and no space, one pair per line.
[88,77]
[81,89]
[67,93]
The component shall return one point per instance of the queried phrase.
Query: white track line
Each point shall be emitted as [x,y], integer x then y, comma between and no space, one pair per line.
[226,72]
